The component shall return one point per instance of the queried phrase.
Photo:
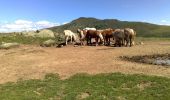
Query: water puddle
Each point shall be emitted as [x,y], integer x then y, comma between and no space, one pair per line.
[157,59]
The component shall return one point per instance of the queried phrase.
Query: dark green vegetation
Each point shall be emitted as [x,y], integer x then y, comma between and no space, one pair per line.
[114,86]
[8,37]
[143,29]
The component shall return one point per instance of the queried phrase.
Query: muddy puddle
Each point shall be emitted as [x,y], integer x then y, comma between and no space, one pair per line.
[157,59]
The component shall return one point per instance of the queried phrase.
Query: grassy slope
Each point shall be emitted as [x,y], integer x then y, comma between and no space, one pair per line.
[114,86]
[25,40]
[143,29]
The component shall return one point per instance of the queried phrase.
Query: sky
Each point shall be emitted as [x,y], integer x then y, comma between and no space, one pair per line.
[20,15]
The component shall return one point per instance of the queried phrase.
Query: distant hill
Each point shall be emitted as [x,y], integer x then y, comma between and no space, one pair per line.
[142,29]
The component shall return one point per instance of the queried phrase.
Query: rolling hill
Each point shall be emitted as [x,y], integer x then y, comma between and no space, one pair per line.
[142,29]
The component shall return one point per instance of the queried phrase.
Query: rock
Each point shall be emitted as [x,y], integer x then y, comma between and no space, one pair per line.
[9,45]
[141,43]
[3,42]
[41,33]
[45,34]
[133,43]
[162,62]
[61,45]
[29,34]
[75,45]
[48,43]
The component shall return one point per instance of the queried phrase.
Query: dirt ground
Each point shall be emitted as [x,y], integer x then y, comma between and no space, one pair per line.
[33,62]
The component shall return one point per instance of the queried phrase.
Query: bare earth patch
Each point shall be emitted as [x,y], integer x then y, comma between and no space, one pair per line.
[143,85]
[30,62]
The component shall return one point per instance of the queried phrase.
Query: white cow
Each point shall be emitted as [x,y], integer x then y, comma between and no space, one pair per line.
[87,28]
[69,34]
[130,35]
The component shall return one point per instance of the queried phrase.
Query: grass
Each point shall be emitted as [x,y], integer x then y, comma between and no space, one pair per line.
[25,40]
[37,40]
[152,39]
[114,86]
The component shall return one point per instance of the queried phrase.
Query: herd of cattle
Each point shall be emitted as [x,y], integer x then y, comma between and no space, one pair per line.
[122,37]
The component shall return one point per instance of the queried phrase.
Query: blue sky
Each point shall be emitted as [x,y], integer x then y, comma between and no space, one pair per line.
[34,14]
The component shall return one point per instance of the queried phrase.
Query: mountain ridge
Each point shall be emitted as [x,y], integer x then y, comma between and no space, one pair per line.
[143,29]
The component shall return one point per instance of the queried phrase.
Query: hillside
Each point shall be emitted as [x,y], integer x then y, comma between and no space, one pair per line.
[142,29]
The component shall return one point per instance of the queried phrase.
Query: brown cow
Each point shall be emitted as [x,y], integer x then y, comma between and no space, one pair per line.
[107,34]
[88,35]
[94,34]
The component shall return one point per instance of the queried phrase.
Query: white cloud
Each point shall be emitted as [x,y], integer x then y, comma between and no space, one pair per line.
[160,22]
[65,23]
[3,21]
[163,21]
[23,22]
[45,24]
[25,25]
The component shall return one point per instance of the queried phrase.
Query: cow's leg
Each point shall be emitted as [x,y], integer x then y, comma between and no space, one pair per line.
[109,41]
[122,42]
[96,39]
[71,39]
[127,42]
[82,42]
[87,39]
[102,41]
[106,41]
[90,41]
[133,41]
[116,43]
[66,39]
[130,42]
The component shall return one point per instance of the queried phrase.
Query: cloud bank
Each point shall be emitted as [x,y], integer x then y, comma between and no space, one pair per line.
[164,22]
[25,25]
